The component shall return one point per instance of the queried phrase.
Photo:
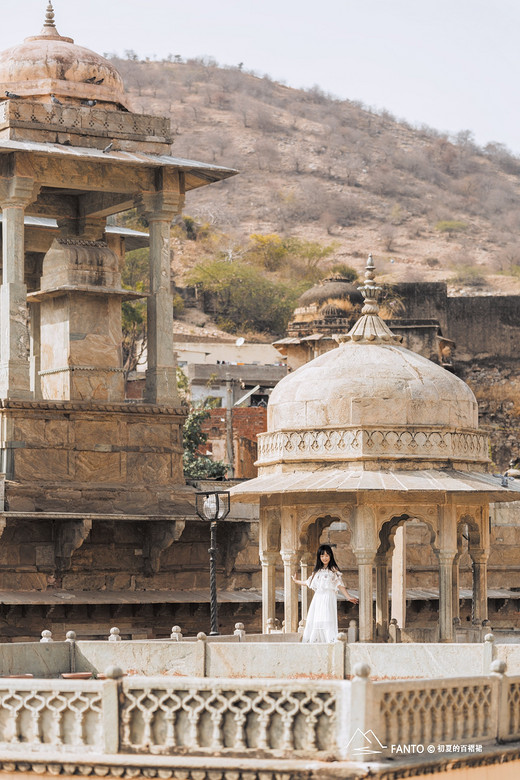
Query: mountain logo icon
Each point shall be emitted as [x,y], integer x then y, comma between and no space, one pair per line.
[365,743]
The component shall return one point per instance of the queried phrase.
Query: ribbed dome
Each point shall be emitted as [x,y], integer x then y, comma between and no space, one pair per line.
[49,63]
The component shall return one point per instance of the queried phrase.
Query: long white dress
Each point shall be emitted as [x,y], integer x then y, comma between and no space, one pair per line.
[322,618]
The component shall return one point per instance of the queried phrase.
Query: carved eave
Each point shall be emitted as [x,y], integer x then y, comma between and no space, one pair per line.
[116,171]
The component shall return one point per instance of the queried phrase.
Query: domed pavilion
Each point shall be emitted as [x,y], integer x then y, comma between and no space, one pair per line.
[373,435]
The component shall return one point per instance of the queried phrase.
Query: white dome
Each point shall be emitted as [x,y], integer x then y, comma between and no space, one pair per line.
[373,404]
[369,385]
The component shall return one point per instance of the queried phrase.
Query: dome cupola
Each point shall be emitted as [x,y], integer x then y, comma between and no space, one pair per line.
[369,402]
[50,64]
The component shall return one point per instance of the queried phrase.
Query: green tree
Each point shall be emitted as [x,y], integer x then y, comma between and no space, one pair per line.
[196,464]
[243,299]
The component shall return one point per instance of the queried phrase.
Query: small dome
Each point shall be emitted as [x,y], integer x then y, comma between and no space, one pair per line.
[51,64]
[367,384]
[371,401]
[334,287]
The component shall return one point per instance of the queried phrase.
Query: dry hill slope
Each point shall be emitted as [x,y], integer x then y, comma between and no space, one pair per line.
[329,170]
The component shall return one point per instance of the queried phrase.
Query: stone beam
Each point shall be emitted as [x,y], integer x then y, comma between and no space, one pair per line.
[53,206]
[85,174]
[103,204]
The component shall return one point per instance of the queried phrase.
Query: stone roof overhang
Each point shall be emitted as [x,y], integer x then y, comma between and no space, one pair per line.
[197,174]
[437,485]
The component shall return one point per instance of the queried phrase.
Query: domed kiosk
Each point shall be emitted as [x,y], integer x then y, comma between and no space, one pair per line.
[374,435]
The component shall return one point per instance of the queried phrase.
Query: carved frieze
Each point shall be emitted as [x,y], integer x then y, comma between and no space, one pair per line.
[365,443]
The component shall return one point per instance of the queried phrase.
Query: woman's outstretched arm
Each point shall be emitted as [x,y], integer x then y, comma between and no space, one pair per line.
[347,595]
[298,582]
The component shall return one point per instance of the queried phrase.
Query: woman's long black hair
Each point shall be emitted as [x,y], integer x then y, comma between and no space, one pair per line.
[333,566]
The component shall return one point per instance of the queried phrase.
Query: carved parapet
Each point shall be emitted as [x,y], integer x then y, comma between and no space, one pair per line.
[356,443]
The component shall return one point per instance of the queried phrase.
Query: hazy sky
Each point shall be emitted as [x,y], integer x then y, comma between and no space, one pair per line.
[450,64]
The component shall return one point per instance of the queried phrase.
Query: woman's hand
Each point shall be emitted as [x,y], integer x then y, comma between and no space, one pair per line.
[298,582]
[353,599]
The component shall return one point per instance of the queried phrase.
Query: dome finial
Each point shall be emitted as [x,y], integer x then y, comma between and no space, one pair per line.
[49,16]
[370,290]
[370,328]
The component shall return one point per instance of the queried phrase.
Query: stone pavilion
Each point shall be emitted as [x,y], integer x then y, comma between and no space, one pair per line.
[374,435]
[85,474]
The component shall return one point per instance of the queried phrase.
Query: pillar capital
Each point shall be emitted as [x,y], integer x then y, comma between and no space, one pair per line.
[289,557]
[160,206]
[364,556]
[446,557]
[269,557]
[479,556]
[17,191]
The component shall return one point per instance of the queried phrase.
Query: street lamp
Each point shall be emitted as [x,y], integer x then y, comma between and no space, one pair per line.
[213,506]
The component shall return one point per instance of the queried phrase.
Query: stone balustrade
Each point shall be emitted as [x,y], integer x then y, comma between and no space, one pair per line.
[256,718]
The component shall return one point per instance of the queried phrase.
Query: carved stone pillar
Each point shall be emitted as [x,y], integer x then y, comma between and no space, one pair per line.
[268,561]
[382,611]
[399,577]
[15,194]
[446,595]
[290,560]
[161,382]
[35,359]
[365,561]
[306,593]
[479,611]
[456,590]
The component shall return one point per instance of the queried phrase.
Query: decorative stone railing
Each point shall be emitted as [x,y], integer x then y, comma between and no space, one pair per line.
[42,715]
[337,444]
[238,716]
[326,719]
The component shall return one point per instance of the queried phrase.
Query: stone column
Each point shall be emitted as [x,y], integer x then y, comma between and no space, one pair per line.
[456,590]
[382,615]
[479,610]
[161,382]
[290,560]
[15,194]
[399,577]
[268,561]
[306,594]
[446,595]
[35,360]
[365,561]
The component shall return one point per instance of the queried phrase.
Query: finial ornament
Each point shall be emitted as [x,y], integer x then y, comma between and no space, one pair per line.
[370,328]
[370,291]
[49,16]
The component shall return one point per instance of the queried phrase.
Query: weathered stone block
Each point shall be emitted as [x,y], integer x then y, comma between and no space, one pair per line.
[149,467]
[97,466]
[41,465]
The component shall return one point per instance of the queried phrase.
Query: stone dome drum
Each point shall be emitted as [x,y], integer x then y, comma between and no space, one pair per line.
[368,403]
[52,64]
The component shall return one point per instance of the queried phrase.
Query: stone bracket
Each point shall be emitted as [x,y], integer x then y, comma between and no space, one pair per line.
[159,535]
[235,540]
[69,536]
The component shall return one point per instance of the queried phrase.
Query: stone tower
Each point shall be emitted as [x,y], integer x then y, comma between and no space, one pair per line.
[83,468]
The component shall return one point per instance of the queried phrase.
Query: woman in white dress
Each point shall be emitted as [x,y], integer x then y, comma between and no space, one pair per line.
[325,581]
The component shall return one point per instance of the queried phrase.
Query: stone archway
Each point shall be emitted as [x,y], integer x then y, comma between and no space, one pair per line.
[388,540]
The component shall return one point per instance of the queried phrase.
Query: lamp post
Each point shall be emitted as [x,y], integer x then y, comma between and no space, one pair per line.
[213,506]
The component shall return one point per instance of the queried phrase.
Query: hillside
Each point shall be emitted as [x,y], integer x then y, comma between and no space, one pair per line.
[331,171]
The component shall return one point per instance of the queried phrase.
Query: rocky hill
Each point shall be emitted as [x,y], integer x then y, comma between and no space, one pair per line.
[333,172]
